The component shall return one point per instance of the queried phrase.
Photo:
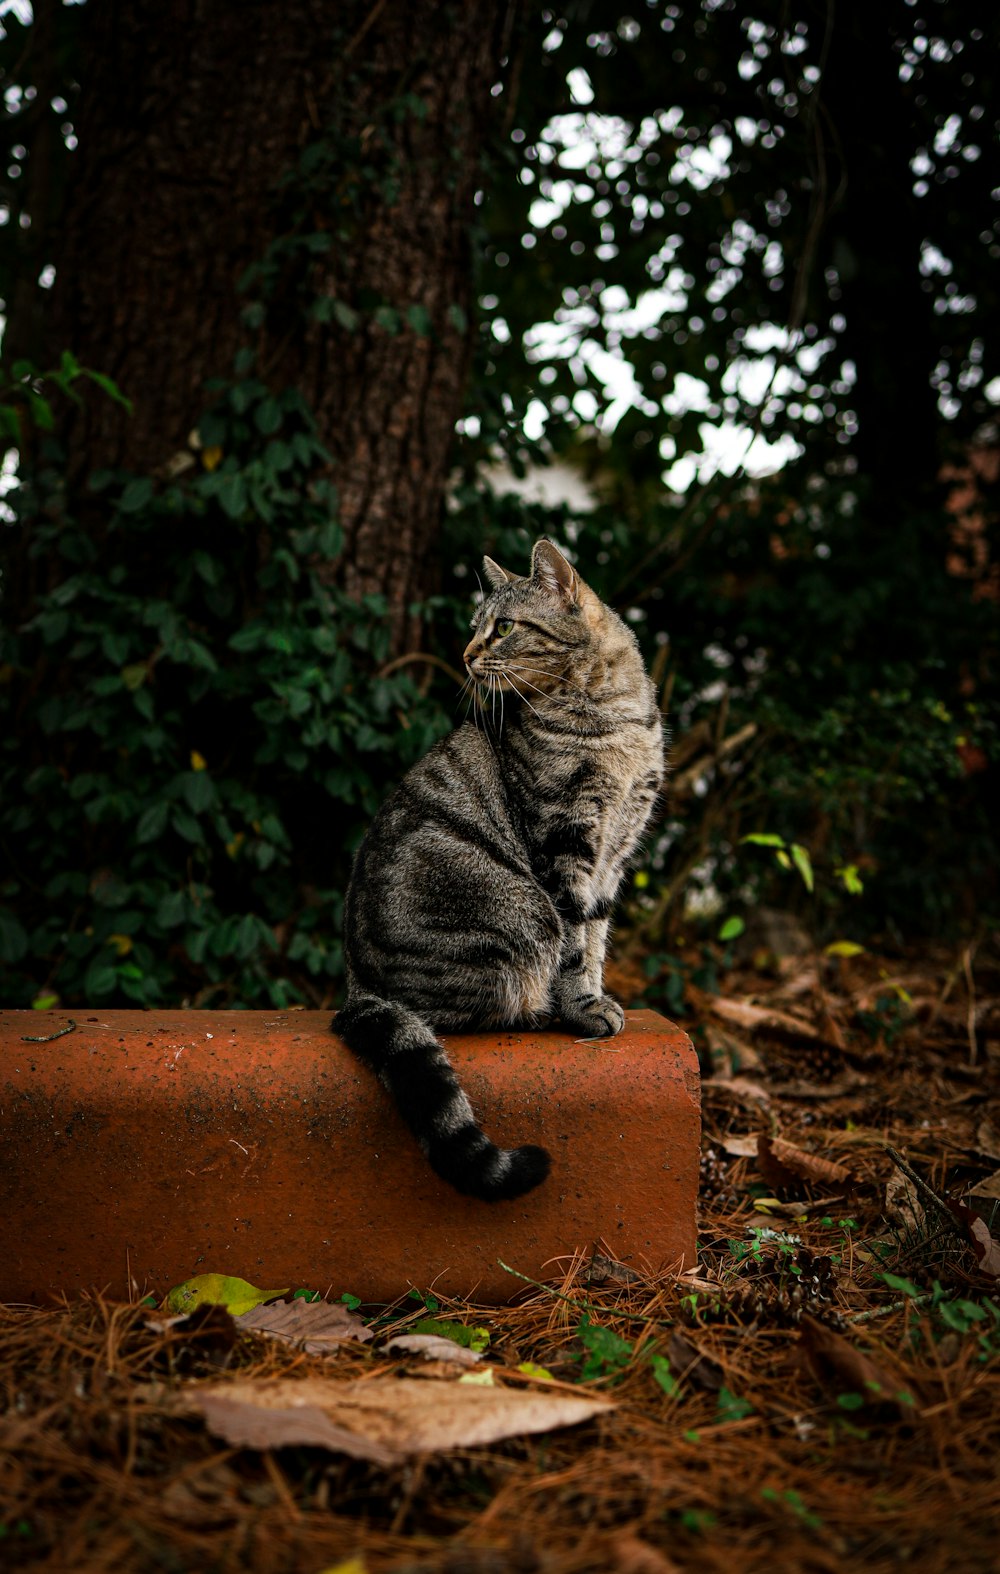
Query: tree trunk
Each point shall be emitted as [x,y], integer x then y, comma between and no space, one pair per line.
[206,132]
[873,242]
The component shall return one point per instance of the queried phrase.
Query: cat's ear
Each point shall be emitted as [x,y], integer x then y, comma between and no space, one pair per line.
[554,573]
[497,576]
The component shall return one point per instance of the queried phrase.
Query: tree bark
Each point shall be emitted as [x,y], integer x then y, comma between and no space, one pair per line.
[873,242]
[190,118]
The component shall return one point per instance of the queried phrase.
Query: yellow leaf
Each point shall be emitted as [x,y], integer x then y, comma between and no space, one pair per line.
[640,879]
[135,675]
[217,1289]
[843,948]
[121,943]
[483,1379]
[531,1369]
[349,1566]
[198,761]
[211,458]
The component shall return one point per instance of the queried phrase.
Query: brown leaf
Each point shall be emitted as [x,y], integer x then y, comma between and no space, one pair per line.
[749,1016]
[989,1187]
[603,1269]
[903,1204]
[831,1356]
[315,1326]
[740,1146]
[977,1231]
[384,1420]
[988,1139]
[794,1210]
[830,1028]
[739,1087]
[433,1347]
[629,1555]
[800,1088]
[781,1164]
[687,1361]
[986,1248]
[729,1053]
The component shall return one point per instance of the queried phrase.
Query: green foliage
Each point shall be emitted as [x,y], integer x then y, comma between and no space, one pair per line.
[731,1407]
[607,1354]
[673,211]
[196,722]
[197,727]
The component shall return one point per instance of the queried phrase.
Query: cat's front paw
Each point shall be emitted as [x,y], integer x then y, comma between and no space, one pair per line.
[593,1016]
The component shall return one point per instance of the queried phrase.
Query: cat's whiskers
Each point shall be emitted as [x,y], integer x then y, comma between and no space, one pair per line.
[545,672]
[560,704]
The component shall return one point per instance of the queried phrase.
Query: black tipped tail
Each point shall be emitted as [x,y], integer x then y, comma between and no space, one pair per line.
[410,1063]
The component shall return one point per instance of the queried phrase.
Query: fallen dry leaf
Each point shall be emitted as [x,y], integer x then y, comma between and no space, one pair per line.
[795,1210]
[977,1231]
[690,1363]
[903,1204]
[629,1555]
[800,1088]
[749,1016]
[217,1289]
[740,1146]
[739,1087]
[781,1164]
[986,1248]
[988,1188]
[433,1347]
[315,1326]
[730,1054]
[385,1420]
[988,1139]
[835,1362]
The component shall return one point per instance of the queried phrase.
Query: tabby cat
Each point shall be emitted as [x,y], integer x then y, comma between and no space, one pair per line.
[481,892]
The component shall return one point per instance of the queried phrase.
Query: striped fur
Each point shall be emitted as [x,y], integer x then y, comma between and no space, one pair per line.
[481,894]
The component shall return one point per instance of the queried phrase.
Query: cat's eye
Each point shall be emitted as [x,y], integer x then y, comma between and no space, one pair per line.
[504,627]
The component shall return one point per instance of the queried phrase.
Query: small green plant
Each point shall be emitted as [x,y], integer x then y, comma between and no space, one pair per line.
[730,1407]
[954,1313]
[792,1500]
[787,854]
[607,1354]
[429,1302]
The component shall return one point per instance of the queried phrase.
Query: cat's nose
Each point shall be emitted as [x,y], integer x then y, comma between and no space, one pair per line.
[472,652]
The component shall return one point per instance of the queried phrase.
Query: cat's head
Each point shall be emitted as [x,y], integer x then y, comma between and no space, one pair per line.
[529,629]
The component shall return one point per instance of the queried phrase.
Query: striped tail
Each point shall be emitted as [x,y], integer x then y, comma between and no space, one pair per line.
[410,1063]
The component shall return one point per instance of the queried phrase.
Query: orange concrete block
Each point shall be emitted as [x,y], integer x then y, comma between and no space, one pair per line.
[147,1146]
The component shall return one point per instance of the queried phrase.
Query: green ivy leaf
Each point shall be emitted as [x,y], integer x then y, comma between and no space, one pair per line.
[346,316]
[267,417]
[419,319]
[232,493]
[137,494]
[152,822]
[803,864]
[13,938]
[387,318]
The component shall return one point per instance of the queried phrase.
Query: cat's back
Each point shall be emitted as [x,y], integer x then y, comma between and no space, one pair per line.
[451,803]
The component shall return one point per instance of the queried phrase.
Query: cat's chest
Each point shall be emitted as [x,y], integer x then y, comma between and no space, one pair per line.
[616,787]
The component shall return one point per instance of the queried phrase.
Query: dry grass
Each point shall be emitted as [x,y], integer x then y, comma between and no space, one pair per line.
[766,1456]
